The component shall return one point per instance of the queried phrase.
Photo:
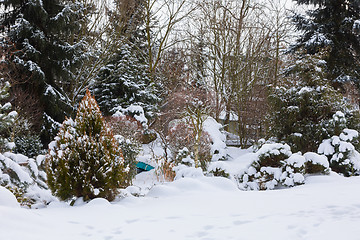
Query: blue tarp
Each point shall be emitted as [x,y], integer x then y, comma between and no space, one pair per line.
[143,166]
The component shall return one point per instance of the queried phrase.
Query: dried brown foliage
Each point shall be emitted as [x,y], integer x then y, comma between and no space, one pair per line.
[126,126]
[164,170]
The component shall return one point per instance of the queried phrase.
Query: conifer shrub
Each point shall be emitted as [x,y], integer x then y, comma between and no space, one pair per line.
[85,159]
[316,164]
[341,152]
[130,150]
[26,129]
[185,157]
[275,165]
[218,169]
[25,178]
[303,115]
[28,145]
[19,194]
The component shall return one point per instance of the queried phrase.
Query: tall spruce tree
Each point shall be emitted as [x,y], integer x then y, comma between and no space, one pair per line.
[125,80]
[42,36]
[333,25]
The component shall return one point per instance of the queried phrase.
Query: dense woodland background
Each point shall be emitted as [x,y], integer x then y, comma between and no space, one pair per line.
[287,71]
[166,55]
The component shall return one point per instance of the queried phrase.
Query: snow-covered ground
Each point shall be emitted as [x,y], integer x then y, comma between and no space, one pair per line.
[326,207]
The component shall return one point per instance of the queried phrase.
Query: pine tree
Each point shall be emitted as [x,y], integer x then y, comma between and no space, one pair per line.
[332,25]
[125,81]
[43,36]
[85,159]
[303,109]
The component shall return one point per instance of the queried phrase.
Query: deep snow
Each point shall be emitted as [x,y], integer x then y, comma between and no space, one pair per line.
[326,207]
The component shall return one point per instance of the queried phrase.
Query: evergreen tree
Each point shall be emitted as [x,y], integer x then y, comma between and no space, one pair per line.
[7,117]
[334,25]
[303,109]
[125,81]
[43,37]
[85,159]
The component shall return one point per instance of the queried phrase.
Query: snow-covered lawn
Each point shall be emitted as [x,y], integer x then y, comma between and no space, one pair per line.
[326,207]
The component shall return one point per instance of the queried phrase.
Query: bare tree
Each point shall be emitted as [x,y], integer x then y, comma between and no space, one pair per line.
[244,40]
[161,18]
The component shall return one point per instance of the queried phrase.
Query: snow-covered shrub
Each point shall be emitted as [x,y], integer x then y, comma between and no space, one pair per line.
[259,143]
[275,165]
[341,153]
[28,145]
[85,159]
[303,115]
[315,163]
[7,118]
[183,171]
[293,170]
[219,169]
[26,129]
[185,157]
[337,123]
[272,155]
[25,178]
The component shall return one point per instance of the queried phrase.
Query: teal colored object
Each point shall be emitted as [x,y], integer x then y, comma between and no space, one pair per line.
[143,166]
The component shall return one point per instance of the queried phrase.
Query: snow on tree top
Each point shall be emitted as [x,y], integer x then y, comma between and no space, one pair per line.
[349,134]
[317,159]
[275,149]
[296,160]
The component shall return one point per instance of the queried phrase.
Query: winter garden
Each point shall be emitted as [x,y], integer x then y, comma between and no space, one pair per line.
[179,119]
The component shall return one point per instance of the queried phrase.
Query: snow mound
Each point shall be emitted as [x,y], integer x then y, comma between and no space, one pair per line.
[99,202]
[7,199]
[188,186]
[183,171]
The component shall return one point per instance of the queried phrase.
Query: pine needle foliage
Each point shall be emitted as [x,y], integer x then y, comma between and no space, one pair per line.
[334,25]
[85,159]
[303,108]
[7,117]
